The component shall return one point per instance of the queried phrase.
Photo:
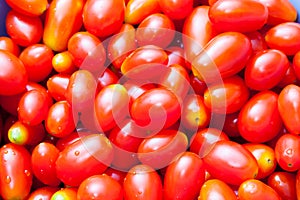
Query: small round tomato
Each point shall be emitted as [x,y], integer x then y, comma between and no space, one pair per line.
[289,107]
[284,37]
[142,182]
[103,18]
[284,184]
[216,189]
[287,152]
[63,63]
[100,187]
[6,43]
[184,177]
[43,193]
[13,78]
[265,157]
[65,194]
[24,30]
[238,164]
[225,15]
[37,60]
[259,120]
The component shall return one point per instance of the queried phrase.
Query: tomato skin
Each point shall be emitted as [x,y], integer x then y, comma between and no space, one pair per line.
[238,164]
[257,40]
[289,107]
[65,194]
[43,193]
[259,120]
[108,77]
[216,189]
[158,151]
[137,10]
[215,61]
[178,9]
[60,121]
[184,177]
[11,66]
[266,69]
[63,19]
[6,43]
[111,106]
[284,184]
[287,152]
[43,160]
[155,109]
[116,174]
[33,107]
[24,30]
[37,60]
[15,172]
[57,86]
[63,63]
[255,189]
[86,157]
[296,64]
[227,97]
[265,157]
[192,40]
[142,183]
[156,29]
[30,8]
[226,15]
[284,37]
[103,18]
[298,184]
[100,187]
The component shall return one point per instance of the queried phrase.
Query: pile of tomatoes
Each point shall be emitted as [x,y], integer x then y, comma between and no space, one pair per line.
[150,100]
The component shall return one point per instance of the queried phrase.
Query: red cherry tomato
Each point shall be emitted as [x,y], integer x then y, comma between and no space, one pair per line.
[289,107]
[287,152]
[215,188]
[37,60]
[259,120]
[43,193]
[90,155]
[57,86]
[6,43]
[184,177]
[43,160]
[24,30]
[284,184]
[28,7]
[238,164]
[142,182]
[255,189]
[63,19]
[15,172]
[103,18]
[13,78]
[100,187]
[178,9]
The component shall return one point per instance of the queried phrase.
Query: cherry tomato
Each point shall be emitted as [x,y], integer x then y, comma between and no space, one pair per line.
[24,30]
[100,187]
[284,184]
[231,125]
[60,121]
[43,160]
[103,18]
[289,107]
[6,43]
[63,19]
[287,152]
[64,142]
[265,157]
[65,194]
[57,86]
[225,15]
[88,156]
[137,10]
[178,9]
[155,109]
[63,63]
[43,193]
[12,66]
[184,177]
[158,151]
[136,89]
[227,97]
[284,37]
[156,29]
[259,120]
[255,189]
[216,189]
[37,60]
[215,61]
[28,7]
[15,172]
[142,183]
[238,164]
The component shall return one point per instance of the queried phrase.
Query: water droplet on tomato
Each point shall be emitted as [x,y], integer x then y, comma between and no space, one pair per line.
[5,152]
[77,153]
[27,172]
[7,179]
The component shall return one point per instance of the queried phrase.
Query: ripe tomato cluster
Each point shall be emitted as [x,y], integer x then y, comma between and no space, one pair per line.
[150,100]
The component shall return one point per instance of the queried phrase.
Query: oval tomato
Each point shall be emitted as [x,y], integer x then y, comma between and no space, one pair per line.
[28,7]
[63,63]
[57,86]
[216,189]
[259,120]
[238,164]
[177,9]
